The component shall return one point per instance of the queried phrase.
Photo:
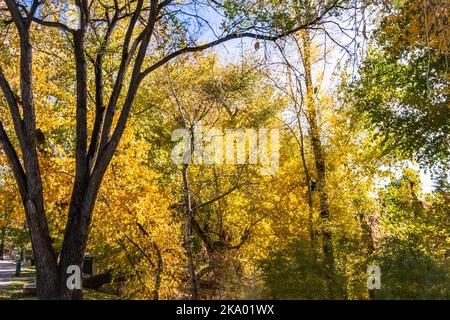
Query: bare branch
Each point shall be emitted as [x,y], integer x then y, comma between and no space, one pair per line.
[145,254]
[125,60]
[53,24]
[99,93]
[223,195]
[34,7]
[235,35]
[13,107]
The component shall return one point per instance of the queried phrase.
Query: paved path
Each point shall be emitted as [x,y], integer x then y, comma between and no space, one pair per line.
[7,271]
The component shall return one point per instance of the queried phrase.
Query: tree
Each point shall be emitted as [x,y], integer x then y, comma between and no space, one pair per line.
[303,91]
[403,87]
[11,221]
[135,238]
[412,252]
[13,228]
[95,30]
[214,197]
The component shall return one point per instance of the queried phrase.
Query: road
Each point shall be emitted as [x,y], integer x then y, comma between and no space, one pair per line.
[7,271]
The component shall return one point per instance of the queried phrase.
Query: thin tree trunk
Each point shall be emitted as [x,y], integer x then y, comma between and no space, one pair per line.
[159,266]
[309,192]
[158,272]
[319,159]
[2,249]
[189,216]
[308,179]
[2,243]
[367,239]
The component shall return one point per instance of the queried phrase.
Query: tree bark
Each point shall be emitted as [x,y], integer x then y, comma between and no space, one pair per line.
[308,178]
[75,237]
[189,216]
[46,265]
[319,160]
[367,240]
[2,249]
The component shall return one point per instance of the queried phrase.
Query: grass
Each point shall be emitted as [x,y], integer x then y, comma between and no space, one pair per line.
[15,290]
[89,294]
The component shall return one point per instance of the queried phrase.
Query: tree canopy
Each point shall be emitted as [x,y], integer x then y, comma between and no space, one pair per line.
[237,149]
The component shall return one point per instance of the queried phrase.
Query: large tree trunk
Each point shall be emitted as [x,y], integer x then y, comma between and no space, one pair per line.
[32,195]
[28,175]
[319,160]
[47,277]
[72,254]
[75,237]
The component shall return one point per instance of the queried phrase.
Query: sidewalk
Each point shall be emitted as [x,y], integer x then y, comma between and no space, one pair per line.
[7,271]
